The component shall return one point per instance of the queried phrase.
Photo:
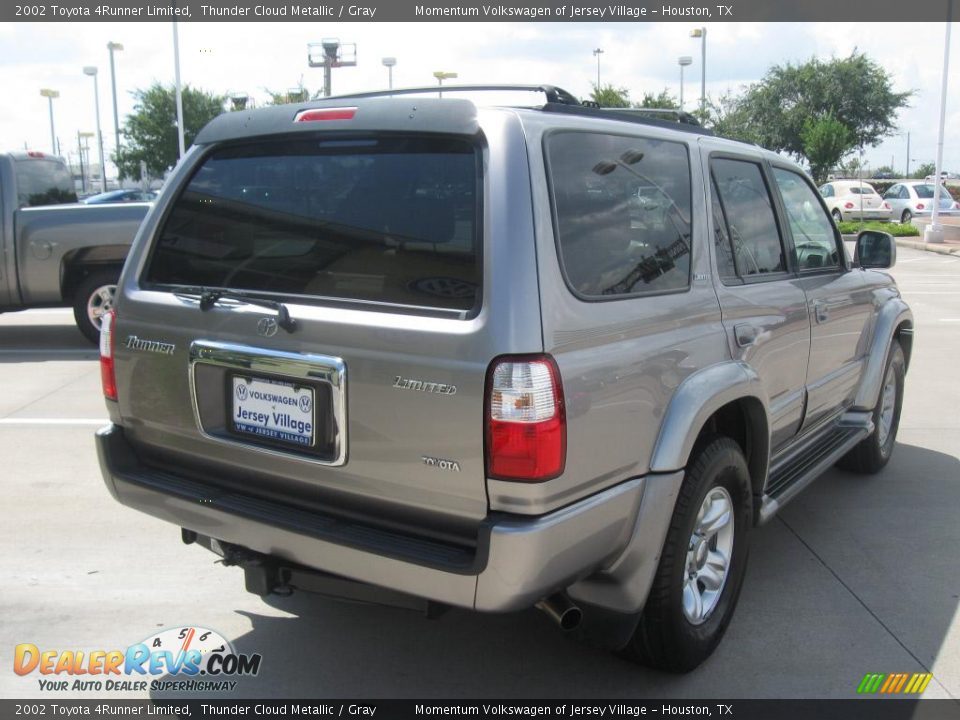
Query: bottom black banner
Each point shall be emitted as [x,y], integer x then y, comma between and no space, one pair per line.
[873,709]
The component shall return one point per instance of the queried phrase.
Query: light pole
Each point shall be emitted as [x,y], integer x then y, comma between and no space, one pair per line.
[50,95]
[683,61]
[81,147]
[597,53]
[112,46]
[440,75]
[176,79]
[92,72]
[934,231]
[388,63]
[702,34]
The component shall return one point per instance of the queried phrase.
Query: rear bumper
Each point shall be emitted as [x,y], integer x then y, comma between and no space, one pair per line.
[518,559]
[856,214]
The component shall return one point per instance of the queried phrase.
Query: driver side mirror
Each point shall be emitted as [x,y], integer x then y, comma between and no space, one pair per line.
[875,249]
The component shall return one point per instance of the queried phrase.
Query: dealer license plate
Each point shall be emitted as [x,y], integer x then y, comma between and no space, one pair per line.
[273,410]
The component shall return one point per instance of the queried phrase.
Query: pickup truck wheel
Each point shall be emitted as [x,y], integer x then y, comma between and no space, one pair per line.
[697,584]
[93,298]
[872,453]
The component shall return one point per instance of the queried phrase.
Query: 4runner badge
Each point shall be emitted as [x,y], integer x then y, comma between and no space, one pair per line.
[154,346]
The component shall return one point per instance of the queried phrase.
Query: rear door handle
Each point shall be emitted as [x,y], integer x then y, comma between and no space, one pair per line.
[745,333]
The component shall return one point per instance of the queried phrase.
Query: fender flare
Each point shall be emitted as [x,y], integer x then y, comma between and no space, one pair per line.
[894,313]
[697,398]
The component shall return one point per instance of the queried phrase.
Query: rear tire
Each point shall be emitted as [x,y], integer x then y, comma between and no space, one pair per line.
[837,216]
[906,217]
[93,298]
[692,598]
[872,453]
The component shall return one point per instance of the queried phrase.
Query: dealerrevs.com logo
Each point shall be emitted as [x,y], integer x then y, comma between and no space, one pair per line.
[183,659]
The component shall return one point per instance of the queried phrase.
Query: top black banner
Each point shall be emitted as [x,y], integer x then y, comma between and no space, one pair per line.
[482,11]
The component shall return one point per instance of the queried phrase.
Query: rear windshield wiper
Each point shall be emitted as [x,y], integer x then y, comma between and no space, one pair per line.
[210,296]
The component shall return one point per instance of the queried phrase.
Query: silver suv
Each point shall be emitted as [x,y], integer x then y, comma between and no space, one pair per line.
[421,351]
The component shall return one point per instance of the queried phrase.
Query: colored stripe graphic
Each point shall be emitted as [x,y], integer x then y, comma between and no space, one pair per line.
[894,683]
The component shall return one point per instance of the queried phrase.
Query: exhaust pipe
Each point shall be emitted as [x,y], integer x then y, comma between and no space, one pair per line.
[559,608]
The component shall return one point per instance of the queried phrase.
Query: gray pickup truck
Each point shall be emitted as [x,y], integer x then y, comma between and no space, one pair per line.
[54,252]
[427,352]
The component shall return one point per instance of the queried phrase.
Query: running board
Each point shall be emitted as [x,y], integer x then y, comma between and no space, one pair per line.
[810,458]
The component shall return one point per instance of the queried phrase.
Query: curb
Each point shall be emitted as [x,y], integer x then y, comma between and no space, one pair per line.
[939,248]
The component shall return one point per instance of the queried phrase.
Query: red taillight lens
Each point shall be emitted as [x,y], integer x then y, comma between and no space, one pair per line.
[526,423]
[107,376]
[848,205]
[919,206]
[956,206]
[886,205]
[343,113]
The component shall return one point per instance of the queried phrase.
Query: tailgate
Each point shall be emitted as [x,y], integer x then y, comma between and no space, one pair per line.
[372,405]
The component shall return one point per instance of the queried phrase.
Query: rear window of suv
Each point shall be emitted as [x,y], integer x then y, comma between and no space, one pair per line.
[387,220]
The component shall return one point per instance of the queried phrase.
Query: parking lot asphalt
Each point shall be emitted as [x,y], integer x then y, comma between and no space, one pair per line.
[858,575]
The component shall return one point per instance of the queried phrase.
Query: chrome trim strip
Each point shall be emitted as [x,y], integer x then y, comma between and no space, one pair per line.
[307,366]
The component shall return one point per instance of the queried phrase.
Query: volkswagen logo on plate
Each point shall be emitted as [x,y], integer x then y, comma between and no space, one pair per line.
[304,403]
[241,392]
[267,326]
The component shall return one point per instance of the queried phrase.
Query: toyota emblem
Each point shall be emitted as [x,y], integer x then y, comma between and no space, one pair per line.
[267,327]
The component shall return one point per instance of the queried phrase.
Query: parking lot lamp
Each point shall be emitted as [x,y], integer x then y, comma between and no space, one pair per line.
[440,75]
[114,46]
[92,72]
[388,63]
[50,95]
[934,231]
[683,61]
[597,53]
[702,34]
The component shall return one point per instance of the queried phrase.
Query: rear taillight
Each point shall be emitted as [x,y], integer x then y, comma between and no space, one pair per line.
[848,205]
[526,423]
[956,206]
[919,206]
[107,376]
[885,205]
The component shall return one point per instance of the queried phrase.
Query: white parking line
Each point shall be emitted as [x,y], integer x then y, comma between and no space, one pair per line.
[53,421]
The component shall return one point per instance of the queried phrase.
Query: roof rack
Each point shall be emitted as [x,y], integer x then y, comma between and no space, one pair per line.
[631,115]
[674,114]
[553,93]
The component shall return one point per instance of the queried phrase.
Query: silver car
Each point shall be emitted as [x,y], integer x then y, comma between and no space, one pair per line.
[428,352]
[915,199]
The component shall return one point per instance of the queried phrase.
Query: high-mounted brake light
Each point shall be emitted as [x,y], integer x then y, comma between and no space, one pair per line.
[526,423]
[108,377]
[342,113]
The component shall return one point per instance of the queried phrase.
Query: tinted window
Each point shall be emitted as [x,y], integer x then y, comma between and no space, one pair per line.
[892,192]
[385,220]
[827,190]
[751,223]
[622,212]
[857,190]
[726,267]
[811,227]
[924,191]
[43,182]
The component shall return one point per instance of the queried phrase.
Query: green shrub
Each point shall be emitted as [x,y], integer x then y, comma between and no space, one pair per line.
[895,229]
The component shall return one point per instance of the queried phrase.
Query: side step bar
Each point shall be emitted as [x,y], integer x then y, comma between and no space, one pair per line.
[810,458]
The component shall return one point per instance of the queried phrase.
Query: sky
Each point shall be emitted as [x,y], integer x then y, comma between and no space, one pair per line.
[248,58]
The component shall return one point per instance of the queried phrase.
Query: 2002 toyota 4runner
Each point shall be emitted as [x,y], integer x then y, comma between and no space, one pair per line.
[494,357]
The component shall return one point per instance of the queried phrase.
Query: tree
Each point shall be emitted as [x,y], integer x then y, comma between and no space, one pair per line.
[825,141]
[854,91]
[728,118]
[609,96]
[926,169]
[150,133]
[664,101]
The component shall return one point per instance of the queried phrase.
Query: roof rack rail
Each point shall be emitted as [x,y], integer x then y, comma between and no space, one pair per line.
[631,115]
[553,93]
[674,114]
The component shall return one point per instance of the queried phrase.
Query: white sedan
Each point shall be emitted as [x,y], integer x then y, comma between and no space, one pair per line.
[854,200]
[915,199]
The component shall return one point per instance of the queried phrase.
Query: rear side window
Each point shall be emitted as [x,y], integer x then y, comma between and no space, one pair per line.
[623,213]
[751,224]
[386,220]
[43,182]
